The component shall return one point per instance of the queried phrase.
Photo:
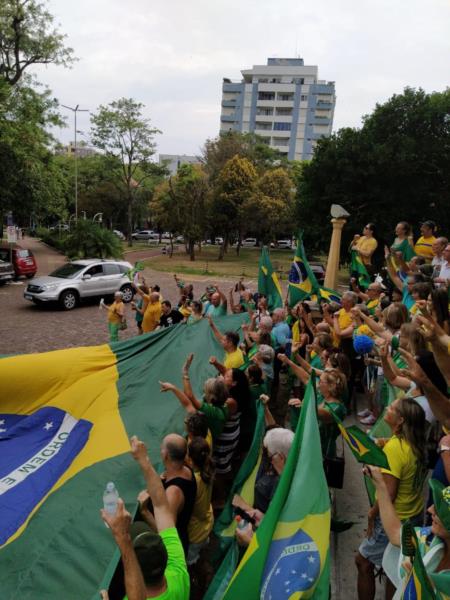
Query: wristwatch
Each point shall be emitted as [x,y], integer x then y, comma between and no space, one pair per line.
[443,449]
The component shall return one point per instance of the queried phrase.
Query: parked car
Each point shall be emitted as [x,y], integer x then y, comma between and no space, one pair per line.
[74,281]
[218,241]
[60,226]
[119,234]
[22,259]
[249,243]
[284,244]
[143,234]
[319,271]
[6,271]
[179,239]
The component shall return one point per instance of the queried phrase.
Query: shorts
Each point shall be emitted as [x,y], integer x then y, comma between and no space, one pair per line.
[194,551]
[373,548]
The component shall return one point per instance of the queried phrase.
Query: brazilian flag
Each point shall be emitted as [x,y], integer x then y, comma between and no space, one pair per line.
[405,248]
[329,295]
[358,269]
[288,556]
[268,283]
[302,281]
[417,583]
[65,423]
[362,446]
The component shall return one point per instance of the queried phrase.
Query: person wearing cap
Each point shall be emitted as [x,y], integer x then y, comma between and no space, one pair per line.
[153,562]
[424,245]
[434,541]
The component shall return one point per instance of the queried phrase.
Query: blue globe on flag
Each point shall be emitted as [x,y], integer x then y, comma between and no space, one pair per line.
[292,566]
[297,273]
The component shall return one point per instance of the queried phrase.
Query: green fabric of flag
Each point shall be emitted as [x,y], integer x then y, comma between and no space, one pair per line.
[302,282]
[358,268]
[329,295]
[57,546]
[268,283]
[289,552]
[417,584]
[362,446]
[405,248]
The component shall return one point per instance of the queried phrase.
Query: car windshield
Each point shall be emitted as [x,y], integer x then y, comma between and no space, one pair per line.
[68,271]
[23,253]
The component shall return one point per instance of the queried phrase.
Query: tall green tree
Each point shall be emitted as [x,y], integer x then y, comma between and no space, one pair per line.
[234,185]
[126,137]
[395,167]
[28,37]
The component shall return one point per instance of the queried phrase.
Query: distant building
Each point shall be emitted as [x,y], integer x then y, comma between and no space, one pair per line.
[174,161]
[82,150]
[284,102]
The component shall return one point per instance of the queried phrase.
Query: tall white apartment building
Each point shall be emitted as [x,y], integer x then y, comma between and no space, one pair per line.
[284,102]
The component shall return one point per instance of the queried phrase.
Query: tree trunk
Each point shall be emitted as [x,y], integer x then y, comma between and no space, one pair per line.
[238,245]
[191,250]
[199,247]
[221,251]
[171,246]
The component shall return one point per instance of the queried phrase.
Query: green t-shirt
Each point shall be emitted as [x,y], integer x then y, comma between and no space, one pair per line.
[215,311]
[330,431]
[407,298]
[216,417]
[177,578]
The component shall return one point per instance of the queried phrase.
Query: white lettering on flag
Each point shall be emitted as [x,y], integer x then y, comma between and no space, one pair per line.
[37,461]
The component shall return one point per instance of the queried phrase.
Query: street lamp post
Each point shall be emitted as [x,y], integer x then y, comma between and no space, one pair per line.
[99,215]
[76,110]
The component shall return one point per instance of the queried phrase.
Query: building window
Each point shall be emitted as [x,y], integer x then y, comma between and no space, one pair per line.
[266,95]
[282,126]
[284,112]
[303,98]
[300,81]
[263,81]
[262,125]
[285,97]
[264,111]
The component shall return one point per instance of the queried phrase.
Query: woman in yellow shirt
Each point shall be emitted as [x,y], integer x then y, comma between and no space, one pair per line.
[365,244]
[406,454]
[116,316]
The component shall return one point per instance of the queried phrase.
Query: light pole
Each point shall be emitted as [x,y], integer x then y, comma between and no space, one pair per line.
[99,215]
[75,111]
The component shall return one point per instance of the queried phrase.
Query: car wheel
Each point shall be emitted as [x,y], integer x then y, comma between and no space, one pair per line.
[68,300]
[30,275]
[127,292]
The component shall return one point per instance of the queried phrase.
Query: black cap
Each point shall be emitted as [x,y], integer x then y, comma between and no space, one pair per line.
[430,224]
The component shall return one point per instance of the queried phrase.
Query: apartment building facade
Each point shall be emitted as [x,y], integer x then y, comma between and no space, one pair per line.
[284,102]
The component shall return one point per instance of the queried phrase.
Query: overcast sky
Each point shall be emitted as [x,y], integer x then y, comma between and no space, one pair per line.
[172,55]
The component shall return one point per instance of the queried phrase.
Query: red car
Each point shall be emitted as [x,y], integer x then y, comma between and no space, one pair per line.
[22,259]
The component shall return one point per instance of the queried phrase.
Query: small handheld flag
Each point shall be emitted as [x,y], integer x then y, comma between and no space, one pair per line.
[268,284]
[417,584]
[302,281]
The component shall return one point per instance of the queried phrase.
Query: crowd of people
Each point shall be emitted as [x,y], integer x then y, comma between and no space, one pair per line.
[402,381]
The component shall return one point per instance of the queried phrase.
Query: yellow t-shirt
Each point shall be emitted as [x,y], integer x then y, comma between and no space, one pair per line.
[372,305]
[364,330]
[115,312]
[202,519]
[424,248]
[185,311]
[366,245]
[404,467]
[234,360]
[151,316]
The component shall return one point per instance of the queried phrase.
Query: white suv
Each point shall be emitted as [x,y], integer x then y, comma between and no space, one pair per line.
[249,243]
[80,279]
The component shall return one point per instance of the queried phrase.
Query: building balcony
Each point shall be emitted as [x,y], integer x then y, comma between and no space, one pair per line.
[228,118]
[229,103]
[324,105]
[317,120]
[232,87]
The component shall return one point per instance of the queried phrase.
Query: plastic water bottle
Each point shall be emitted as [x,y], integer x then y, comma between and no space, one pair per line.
[241,523]
[110,498]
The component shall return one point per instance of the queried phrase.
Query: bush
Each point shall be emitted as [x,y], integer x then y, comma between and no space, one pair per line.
[53,238]
[89,240]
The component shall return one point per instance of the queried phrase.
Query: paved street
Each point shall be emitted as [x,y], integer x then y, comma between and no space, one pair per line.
[25,328]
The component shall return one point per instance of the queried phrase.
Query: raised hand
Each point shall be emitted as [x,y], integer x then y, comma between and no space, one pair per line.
[165,386]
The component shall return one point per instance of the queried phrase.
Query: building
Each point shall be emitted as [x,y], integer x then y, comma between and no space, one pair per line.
[82,150]
[284,102]
[174,161]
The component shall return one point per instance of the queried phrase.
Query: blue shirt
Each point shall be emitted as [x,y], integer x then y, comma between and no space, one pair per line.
[407,299]
[282,333]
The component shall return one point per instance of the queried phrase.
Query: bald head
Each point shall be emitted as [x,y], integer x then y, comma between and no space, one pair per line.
[154,297]
[174,448]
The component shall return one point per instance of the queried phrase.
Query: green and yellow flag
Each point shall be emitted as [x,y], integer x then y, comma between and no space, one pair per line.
[362,446]
[417,584]
[302,281]
[268,283]
[358,270]
[65,422]
[288,556]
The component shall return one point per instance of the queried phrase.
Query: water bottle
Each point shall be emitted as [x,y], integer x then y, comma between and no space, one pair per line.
[110,498]
[241,523]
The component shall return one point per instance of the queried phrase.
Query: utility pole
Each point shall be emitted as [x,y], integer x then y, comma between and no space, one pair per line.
[76,110]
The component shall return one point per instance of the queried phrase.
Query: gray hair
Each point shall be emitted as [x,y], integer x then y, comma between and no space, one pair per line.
[279,312]
[278,441]
[267,353]
[119,294]
[266,323]
[350,296]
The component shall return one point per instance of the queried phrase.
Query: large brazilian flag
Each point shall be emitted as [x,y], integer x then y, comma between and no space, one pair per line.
[302,282]
[65,421]
[268,283]
[288,556]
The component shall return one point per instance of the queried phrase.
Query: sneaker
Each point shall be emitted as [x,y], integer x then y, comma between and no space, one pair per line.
[370,420]
[364,413]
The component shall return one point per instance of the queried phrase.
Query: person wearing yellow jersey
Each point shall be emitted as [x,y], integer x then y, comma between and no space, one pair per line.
[234,357]
[406,454]
[116,316]
[371,297]
[424,245]
[365,244]
[152,313]
[202,519]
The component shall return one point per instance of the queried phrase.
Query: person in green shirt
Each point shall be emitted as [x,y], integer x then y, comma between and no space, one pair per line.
[154,564]
[217,306]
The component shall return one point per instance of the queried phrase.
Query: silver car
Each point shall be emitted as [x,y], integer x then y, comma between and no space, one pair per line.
[80,279]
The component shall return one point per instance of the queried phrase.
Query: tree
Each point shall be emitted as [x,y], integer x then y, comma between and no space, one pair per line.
[167,210]
[269,211]
[28,37]
[126,137]
[394,168]
[89,240]
[233,186]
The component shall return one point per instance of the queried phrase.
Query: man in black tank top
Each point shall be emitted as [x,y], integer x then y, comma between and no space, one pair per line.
[179,483]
